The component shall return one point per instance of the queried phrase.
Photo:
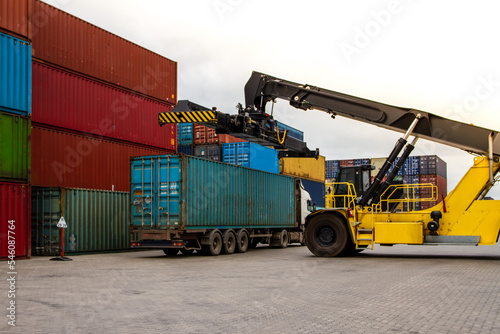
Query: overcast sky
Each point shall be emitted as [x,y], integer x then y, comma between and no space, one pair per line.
[438,56]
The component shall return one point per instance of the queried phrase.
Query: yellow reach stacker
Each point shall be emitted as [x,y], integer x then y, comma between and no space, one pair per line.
[364,213]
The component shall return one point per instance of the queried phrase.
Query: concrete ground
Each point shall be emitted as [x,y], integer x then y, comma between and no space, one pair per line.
[400,289]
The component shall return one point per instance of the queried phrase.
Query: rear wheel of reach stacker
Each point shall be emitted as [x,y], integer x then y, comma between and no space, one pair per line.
[171,251]
[326,235]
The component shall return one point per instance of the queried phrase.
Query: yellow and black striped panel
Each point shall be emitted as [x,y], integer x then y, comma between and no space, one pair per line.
[186,117]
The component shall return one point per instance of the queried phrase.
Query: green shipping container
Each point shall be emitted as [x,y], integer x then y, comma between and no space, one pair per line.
[15,148]
[97,220]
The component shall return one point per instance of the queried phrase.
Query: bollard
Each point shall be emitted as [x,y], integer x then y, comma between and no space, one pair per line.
[62,225]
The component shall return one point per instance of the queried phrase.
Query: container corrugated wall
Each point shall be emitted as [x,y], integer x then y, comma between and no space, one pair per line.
[196,193]
[62,159]
[291,131]
[15,205]
[15,17]
[69,42]
[309,168]
[97,220]
[15,75]
[65,100]
[15,148]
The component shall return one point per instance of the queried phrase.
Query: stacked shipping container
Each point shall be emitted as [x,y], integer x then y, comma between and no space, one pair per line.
[96,99]
[15,130]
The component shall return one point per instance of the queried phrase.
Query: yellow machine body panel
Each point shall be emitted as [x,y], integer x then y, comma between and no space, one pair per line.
[399,233]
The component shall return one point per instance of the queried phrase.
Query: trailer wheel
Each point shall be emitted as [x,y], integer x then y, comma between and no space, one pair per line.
[214,246]
[326,235]
[170,251]
[284,239]
[229,244]
[242,241]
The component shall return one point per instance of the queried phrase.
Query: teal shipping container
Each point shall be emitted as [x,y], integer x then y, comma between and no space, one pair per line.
[97,220]
[186,192]
[251,155]
[15,78]
[15,148]
[185,133]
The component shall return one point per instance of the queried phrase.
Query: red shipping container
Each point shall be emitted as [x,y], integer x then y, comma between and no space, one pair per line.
[15,18]
[66,100]
[15,220]
[204,135]
[62,159]
[224,138]
[67,41]
[346,163]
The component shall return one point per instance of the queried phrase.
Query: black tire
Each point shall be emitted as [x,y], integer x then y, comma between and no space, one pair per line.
[229,244]
[242,241]
[170,251]
[214,246]
[284,239]
[187,251]
[326,235]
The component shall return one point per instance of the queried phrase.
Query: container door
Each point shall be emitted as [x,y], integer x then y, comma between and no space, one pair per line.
[45,214]
[142,192]
[168,197]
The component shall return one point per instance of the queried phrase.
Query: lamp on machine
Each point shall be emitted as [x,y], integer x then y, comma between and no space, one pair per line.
[433,225]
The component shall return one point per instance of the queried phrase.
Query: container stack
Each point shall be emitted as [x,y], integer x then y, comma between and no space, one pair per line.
[428,169]
[96,99]
[15,130]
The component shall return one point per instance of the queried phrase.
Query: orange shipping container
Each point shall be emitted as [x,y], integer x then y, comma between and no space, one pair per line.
[67,41]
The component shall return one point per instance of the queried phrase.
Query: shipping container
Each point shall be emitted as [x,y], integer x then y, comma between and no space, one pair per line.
[69,42]
[224,138]
[346,163]
[251,155]
[203,135]
[97,220]
[436,180]
[432,164]
[185,149]
[15,148]
[15,16]
[331,168]
[291,131]
[308,168]
[15,78]
[68,101]
[185,133]
[210,152]
[181,202]
[14,221]
[63,159]
[316,190]
[359,162]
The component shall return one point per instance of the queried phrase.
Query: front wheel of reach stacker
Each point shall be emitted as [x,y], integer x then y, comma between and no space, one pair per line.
[326,235]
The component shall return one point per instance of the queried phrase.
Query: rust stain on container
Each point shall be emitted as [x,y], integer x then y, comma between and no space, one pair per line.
[66,100]
[15,17]
[69,42]
[63,159]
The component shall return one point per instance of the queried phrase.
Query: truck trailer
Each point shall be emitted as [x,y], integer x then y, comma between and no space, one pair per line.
[185,203]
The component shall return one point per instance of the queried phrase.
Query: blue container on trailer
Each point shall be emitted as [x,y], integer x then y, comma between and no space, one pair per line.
[291,131]
[185,149]
[185,133]
[15,78]
[186,192]
[251,155]
[316,190]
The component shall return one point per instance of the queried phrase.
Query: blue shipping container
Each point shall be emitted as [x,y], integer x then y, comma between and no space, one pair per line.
[292,132]
[185,133]
[15,75]
[186,149]
[251,155]
[332,168]
[316,190]
[180,191]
